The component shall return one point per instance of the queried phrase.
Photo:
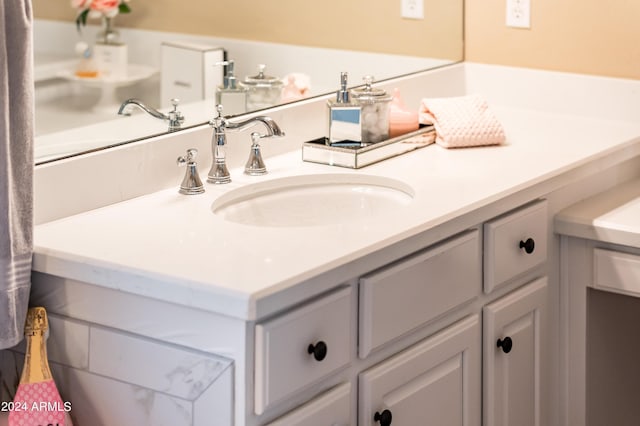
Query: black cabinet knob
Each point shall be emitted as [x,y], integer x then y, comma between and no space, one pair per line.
[528,245]
[506,344]
[319,350]
[384,418]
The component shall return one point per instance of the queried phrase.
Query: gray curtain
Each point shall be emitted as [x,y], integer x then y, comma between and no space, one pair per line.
[16,166]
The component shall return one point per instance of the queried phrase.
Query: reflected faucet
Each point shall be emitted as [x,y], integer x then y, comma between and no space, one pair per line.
[173,117]
[219,172]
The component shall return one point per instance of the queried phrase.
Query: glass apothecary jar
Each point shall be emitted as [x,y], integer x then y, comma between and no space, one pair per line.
[374,103]
[263,91]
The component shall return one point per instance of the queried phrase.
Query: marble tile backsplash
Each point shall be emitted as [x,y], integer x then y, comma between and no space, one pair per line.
[111,377]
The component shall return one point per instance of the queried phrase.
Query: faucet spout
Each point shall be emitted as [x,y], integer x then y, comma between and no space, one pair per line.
[272,127]
[126,107]
[174,117]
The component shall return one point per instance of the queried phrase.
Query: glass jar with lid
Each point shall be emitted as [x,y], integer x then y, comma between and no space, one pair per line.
[374,103]
[263,91]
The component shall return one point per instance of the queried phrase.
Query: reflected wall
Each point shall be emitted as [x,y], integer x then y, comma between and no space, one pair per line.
[351,25]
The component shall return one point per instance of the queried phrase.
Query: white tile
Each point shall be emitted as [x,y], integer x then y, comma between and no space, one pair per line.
[162,367]
[68,342]
[215,406]
[99,401]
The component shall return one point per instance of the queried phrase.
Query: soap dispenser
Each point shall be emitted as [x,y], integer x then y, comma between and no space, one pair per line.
[345,117]
[230,94]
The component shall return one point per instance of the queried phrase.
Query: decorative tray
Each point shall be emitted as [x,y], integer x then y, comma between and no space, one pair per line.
[355,156]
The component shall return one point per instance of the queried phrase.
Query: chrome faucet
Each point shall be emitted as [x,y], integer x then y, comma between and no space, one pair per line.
[219,172]
[173,117]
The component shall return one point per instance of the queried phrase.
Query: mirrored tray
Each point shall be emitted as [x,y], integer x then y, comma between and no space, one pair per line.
[356,156]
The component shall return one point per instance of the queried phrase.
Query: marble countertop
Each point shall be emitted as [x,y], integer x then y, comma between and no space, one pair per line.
[171,247]
[612,216]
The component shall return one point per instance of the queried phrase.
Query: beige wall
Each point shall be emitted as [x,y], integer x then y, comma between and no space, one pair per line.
[584,36]
[345,24]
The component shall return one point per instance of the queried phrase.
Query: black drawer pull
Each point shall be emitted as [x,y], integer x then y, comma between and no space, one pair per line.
[384,418]
[528,245]
[506,344]
[319,350]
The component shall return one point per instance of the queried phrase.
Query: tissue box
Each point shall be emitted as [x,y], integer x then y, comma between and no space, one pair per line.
[111,59]
[189,72]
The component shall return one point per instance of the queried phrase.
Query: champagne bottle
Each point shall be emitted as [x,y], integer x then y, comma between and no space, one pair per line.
[37,401]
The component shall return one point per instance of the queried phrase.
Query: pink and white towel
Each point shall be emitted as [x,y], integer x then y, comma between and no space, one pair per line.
[462,121]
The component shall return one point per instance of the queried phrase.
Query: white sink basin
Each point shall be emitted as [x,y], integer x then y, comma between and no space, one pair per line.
[313,200]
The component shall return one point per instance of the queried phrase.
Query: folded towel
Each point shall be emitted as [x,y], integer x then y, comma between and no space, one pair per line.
[462,121]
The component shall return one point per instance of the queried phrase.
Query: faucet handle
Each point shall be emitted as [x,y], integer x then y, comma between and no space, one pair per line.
[191,183]
[255,165]
[175,117]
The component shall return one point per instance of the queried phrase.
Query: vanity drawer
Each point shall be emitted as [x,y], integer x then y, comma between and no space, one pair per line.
[514,243]
[301,347]
[616,272]
[396,299]
[331,408]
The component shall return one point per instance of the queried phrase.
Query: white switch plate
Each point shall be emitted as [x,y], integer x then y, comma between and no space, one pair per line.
[519,13]
[412,9]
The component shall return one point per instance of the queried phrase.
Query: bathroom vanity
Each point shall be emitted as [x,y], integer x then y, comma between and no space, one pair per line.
[601,258]
[442,306]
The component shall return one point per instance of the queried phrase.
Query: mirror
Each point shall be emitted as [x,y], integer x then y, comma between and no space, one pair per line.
[312,42]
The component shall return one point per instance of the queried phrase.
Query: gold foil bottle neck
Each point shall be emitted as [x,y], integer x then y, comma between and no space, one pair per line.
[37,322]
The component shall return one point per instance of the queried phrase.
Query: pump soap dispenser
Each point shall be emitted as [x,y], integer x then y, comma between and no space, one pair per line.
[345,117]
[230,94]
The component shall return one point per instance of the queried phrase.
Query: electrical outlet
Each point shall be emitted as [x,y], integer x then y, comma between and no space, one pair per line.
[519,13]
[412,9]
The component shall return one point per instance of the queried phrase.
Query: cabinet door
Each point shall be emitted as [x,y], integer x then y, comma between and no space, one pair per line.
[436,382]
[513,344]
[301,347]
[333,408]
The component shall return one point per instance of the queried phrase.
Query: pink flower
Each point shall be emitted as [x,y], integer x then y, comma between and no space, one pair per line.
[105,6]
[96,9]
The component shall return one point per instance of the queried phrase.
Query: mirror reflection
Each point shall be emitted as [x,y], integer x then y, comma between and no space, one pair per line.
[173,56]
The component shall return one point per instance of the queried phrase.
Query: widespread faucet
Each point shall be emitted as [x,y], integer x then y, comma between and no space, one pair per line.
[219,172]
[173,117]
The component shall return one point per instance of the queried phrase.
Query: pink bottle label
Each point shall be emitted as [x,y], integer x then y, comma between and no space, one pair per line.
[37,404]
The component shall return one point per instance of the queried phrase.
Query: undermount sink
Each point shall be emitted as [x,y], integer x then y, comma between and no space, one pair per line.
[313,200]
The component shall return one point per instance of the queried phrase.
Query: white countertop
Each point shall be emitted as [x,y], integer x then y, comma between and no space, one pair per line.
[612,216]
[171,247]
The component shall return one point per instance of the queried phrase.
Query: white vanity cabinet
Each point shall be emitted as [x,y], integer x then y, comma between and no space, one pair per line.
[600,297]
[435,382]
[513,334]
[432,346]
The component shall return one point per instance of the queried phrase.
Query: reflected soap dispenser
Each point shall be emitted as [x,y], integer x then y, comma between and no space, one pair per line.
[345,117]
[230,94]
